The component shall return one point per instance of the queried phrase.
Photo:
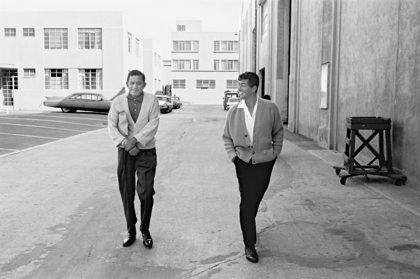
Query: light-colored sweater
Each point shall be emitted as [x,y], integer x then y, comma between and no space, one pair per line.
[121,124]
[267,137]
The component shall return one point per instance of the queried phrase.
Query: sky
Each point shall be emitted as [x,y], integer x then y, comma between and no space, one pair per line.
[152,18]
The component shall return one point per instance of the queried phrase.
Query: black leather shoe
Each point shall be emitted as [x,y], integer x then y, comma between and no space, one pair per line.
[129,240]
[251,254]
[147,240]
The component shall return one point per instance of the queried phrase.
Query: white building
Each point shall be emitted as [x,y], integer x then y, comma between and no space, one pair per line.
[204,64]
[59,53]
[152,67]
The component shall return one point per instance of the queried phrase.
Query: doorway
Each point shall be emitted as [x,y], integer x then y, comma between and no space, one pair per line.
[262,82]
[8,82]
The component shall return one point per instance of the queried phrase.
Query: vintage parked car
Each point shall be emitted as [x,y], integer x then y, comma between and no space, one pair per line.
[177,102]
[232,101]
[165,103]
[227,95]
[79,101]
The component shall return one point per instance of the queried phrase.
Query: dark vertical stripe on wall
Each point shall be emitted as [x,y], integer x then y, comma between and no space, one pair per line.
[280,38]
[326,30]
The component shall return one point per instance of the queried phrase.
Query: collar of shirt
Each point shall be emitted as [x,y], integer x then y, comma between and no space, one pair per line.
[135,98]
[249,120]
[242,105]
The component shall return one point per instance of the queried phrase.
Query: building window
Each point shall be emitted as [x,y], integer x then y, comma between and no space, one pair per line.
[216,45]
[29,73]
[90,79]
[90,38]
[216,65]
[10,32]
[178,83]
[226,46]
[185,46]
[195,65]
[130,37]
[182,64]
[264,24]
[231,84]
[137,47]
[55,38]
[196,45]
[204,84]
[180,28]
[56,79]
[230,65]
[28,32]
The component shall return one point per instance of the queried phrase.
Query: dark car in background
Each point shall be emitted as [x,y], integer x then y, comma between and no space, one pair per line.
[80,101]
[177,102]
[228,94]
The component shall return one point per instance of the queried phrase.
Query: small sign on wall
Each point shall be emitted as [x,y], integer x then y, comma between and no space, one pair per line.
[324,85]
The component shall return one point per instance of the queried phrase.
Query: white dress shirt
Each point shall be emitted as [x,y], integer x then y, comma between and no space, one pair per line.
[249,120]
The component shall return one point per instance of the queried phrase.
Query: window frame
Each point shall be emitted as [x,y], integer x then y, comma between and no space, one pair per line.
[90,79]
[129,41]
[28,32]
[62,83]
[51,34]
[9,32]
[178,84]
[29,72]
[89,38]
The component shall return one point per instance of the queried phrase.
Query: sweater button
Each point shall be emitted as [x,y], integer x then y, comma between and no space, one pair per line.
[246,135]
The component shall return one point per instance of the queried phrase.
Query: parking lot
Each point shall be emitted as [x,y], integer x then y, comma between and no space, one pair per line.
[22,131]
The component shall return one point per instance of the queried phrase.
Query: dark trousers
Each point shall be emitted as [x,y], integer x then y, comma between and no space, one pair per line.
[145,166]
[253,182]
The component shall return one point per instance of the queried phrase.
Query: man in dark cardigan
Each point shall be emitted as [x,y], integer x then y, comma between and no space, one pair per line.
[253,138]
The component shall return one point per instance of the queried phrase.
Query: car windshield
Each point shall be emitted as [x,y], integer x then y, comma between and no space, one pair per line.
[162,98]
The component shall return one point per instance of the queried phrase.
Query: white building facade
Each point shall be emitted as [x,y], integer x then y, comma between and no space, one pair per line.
[59,53]
[152,67]
[204,64]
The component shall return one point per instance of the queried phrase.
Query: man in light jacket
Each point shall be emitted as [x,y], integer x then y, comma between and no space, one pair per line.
[253,138]
[133,120]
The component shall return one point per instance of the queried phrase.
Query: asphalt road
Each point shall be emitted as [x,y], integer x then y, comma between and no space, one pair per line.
[22,131]
[61,213]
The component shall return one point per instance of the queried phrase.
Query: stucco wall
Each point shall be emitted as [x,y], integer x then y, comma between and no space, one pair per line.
[406,127]
[310,65]
[369,39]
[379,71]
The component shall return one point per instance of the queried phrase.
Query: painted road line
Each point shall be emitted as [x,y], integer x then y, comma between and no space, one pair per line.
[7,149]
[48,143]
[31,136]
[48,115]
[44,127]
[56,121]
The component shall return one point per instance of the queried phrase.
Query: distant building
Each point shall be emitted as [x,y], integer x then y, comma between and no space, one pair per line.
[204,64]
[59,53]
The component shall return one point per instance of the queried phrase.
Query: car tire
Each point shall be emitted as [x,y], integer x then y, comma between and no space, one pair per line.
[67,110]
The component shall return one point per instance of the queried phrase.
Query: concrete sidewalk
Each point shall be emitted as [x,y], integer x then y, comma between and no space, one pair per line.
[311,226]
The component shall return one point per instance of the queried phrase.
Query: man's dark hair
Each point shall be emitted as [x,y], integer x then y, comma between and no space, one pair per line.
[136,73]
[252,78]
[267,97]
